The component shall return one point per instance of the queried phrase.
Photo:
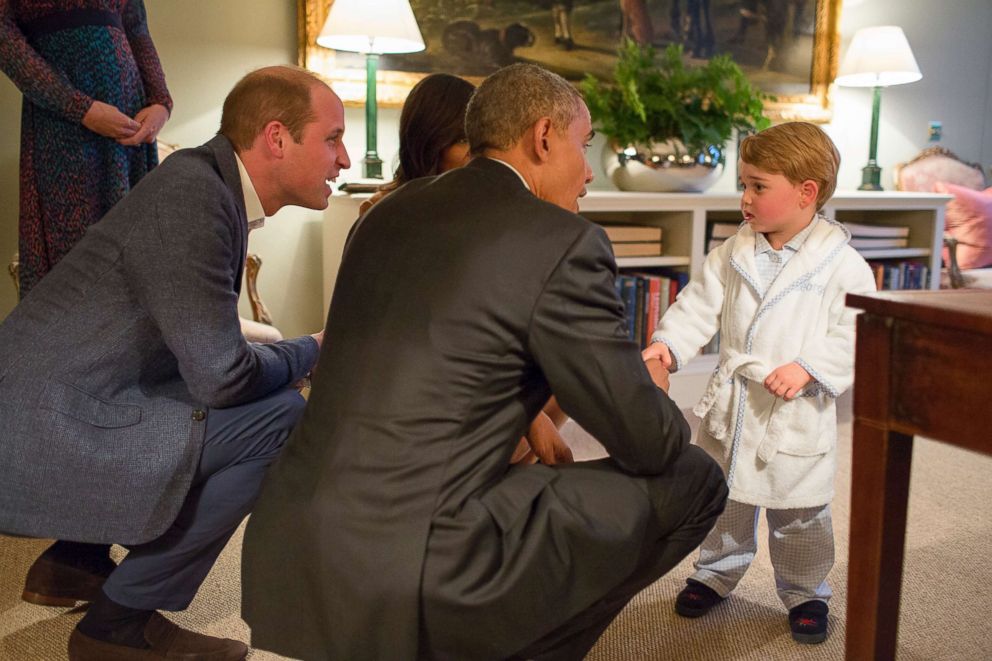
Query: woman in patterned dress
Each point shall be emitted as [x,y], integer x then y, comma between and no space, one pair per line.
[94,101]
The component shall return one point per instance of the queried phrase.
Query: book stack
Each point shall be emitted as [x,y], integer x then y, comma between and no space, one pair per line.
[877,236]
[900,275]
[719,232]
[646,297]
[634,240]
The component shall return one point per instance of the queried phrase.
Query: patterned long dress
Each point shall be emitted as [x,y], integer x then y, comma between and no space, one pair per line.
[63,55]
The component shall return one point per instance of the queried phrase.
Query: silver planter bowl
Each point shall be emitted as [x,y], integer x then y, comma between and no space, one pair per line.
[662,167]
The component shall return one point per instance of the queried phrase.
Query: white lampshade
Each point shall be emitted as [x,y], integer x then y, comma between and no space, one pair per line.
[371,26]
[878,57]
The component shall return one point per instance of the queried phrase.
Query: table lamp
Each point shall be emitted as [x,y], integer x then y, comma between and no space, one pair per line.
[877,57]
[371,27]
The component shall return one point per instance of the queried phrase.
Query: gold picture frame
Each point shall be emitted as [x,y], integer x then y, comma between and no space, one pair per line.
[393,86]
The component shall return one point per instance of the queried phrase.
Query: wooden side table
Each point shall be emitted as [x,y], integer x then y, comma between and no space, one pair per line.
[922,367]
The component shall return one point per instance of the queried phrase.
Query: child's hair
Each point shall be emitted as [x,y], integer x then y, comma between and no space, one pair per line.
[798,151]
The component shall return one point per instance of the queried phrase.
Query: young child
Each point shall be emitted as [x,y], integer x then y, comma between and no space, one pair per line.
[775,291]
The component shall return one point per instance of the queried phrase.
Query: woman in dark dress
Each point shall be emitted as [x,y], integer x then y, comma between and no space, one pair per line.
[94,101]
[432,131]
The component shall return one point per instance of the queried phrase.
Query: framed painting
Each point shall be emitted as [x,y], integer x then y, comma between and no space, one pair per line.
[788,48]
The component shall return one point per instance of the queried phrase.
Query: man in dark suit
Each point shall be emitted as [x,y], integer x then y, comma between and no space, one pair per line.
[132,410]
[393,526]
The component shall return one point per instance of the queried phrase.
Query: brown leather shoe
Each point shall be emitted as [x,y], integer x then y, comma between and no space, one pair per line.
[53,583]
[166,640]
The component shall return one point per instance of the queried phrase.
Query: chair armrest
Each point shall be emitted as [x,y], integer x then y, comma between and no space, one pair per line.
[259,312]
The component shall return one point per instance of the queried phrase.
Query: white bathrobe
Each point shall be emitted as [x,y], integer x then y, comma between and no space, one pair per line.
[777,454]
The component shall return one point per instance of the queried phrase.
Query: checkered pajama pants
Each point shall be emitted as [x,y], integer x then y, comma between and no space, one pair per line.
[801,543]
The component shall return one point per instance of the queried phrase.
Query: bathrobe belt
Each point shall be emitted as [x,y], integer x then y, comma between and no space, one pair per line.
[725,383]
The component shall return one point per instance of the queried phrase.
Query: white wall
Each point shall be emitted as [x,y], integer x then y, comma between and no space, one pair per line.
[206,46]
[954,52]
[952,47]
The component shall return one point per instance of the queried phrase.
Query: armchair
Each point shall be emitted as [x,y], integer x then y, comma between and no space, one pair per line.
[968,227]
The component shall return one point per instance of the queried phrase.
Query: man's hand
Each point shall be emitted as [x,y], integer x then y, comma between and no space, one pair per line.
[305,381]
[659,351]
[658,373]
[523,454]
[151,119]
[787,381]
[106,120]
[544,443]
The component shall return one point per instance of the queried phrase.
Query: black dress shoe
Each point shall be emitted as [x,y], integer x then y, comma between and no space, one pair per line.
[808,622]
[52,581]
[696,599]
[166,641]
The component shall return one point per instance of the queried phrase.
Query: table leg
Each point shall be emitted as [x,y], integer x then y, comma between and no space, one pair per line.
[879,493]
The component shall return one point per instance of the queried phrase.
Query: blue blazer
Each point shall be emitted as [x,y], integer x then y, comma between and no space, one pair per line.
[109,367]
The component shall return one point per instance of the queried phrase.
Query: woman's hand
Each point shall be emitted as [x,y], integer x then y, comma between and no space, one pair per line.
[151,119]
[106,120]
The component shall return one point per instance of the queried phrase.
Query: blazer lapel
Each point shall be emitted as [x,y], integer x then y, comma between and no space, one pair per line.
[227,165]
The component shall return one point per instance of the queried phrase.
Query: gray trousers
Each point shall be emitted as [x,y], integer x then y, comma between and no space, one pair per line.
[239,445]
[800,541]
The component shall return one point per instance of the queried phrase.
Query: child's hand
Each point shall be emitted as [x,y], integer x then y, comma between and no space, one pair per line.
[786,381]
[658,373]
[660,351]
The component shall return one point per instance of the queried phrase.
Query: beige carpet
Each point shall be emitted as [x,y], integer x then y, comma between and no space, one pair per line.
[945,592]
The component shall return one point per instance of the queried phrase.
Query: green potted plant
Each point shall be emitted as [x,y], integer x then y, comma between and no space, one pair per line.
[666,123]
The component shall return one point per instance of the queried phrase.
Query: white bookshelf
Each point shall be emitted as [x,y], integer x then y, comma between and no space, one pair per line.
[683,218]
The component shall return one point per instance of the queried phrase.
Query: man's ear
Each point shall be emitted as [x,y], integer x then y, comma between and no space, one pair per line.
[274,135]
[542,138]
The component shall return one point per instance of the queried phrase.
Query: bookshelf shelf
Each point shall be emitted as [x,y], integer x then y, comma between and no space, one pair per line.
[684,218]
[647,262]
[894,253]
[687,221]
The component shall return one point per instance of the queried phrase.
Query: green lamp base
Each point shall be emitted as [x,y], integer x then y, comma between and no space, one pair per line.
[372,166]
[871,177]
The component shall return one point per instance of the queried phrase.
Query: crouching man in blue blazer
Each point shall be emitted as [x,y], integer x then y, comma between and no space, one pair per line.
[132,410]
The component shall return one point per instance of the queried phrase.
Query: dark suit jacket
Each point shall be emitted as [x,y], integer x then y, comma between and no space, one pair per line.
[462,302]
[108,367]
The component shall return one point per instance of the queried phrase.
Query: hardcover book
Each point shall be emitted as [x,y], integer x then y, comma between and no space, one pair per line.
[858,229]
[631,232]
[637,249]
[879,242]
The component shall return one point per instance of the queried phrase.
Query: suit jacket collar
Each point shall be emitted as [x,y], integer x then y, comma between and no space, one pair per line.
[497,170]
[227,167]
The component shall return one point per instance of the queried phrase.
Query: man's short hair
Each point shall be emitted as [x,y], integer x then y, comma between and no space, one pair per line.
[510,101]
[798,151]
[279,93]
